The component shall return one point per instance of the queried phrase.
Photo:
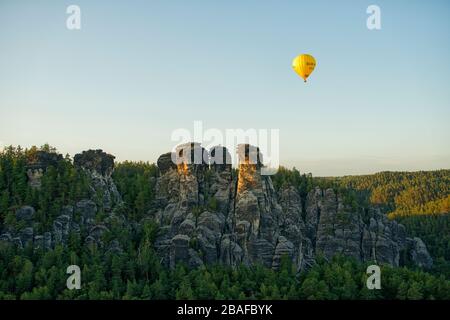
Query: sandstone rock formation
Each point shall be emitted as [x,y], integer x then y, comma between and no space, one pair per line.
[99,166]
[96,161]
[208,215]
[38,164]
[80,218]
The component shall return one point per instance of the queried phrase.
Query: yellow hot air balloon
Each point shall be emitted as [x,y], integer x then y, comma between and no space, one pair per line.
[304,65]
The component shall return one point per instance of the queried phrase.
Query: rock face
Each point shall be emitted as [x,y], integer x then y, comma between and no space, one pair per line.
[38,164]
[165,162]
[368,236]
[26,213]
[79,219]
[419,253]
[95,160]
[99,166]
[208,215]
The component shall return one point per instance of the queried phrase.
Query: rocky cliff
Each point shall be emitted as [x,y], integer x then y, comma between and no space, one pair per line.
[208,215]
[88,218]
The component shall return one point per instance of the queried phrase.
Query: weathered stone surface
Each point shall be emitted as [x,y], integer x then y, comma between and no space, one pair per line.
[43,242]
[62,228]
[97,231]
[95,160]
[194,259]
[34,177]
[38,163]
[179,249]
[25,213]
[17,242]
[165,163]
[105,186]
[95,236]
[187,227]
[43,159]
[419,253]
[230,252]
[292,227]
[27,236]
[210,216]
[86,209]
[191,156]
[338,231]
[47,240]
[220,159]
[283,248]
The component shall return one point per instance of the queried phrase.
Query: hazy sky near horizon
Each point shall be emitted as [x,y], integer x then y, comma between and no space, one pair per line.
[137,70]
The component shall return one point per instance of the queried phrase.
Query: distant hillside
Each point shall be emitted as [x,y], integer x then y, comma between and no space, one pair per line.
[400,193]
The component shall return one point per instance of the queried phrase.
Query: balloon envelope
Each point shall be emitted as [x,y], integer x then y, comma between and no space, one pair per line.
[304,65]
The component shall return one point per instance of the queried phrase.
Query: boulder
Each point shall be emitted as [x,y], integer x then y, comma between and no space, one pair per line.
[419,253]
[25,213]
[165,163]
[95,161]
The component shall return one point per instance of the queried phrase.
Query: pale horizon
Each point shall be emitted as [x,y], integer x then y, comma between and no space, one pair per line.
[327,167]
[378,100]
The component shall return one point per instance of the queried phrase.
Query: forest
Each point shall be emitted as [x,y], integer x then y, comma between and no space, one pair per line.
[400,193]
[419,200]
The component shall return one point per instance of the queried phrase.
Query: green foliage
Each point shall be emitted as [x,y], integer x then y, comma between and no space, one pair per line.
[284,177]
[135,182]
[434,230]
[400,193]
[61,184]
[212,204]
[137,274]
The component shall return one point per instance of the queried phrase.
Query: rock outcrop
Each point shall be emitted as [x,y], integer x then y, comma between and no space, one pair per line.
[96,161]
[368,236]
[99,166]
[209,215]
[79,219]
[38,164]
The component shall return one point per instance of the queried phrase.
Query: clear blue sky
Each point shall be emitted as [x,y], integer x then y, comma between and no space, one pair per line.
[137,70]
